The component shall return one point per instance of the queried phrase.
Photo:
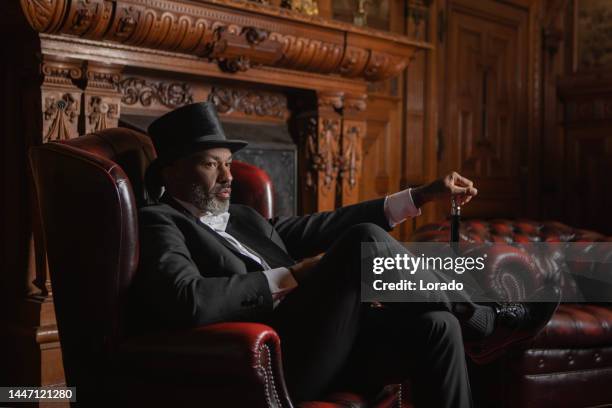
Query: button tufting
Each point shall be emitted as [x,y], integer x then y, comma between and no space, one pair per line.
[597,357]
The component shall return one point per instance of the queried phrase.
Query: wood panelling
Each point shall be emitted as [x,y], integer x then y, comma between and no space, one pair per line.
[586,196]
[485,131]
[588,166]
[576,150]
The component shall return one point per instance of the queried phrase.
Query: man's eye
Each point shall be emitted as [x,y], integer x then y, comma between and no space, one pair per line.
[210,165]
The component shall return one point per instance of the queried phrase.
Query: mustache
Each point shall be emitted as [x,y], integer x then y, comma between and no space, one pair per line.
[220,187]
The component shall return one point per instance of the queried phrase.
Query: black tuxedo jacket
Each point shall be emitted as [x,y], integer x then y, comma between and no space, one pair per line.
[190,275]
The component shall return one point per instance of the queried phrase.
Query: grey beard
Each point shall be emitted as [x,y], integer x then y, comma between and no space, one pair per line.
[206,201]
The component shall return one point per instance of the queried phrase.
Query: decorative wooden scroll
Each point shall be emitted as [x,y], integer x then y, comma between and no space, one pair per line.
[249,102]
[220,31]
[143,93]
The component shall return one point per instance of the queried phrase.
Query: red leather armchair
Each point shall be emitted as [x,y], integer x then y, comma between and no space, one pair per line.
[569,364]
[89,190]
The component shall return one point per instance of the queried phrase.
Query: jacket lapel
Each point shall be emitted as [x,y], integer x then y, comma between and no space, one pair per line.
[251,238]
[243,231]
[167,199]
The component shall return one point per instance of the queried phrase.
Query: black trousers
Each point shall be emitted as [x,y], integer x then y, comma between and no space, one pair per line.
[330,339]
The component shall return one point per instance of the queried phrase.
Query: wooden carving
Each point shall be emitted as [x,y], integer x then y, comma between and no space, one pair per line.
[249,102]
[354,61]
[61,99]
[102,99]
[320,135]
[139,91]
[328,102]
[355,105]
[322,153]
[60,114]
[308,54]
[309,135]
[101,114]
[238,49]
[237,42]
[44,15]
[327,159]
[382,66]
[351,155]
[353,132]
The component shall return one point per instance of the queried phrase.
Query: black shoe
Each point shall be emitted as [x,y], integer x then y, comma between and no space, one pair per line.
[515,322]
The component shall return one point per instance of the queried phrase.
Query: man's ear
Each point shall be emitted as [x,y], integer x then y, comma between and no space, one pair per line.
[168,174]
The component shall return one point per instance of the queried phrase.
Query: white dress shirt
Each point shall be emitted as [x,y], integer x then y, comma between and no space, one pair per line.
[398,207]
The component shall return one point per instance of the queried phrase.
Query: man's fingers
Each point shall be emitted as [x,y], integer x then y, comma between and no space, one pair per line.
[459,190]
[460,180]
[463,195]
[471,191]
[463,199]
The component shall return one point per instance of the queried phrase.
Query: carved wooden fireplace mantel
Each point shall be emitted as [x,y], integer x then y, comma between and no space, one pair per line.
[101,60]
[88,46]
[236,35]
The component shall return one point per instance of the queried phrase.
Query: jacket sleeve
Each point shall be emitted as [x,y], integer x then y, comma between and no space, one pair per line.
[309,235]
[180,293]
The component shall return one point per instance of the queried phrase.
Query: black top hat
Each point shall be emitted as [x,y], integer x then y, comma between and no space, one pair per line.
[188,129]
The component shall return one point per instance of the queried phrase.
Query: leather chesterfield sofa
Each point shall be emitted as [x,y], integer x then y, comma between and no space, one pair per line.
[569,363]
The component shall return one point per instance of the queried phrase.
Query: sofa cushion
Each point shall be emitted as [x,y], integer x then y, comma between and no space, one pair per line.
[577,325]
[501,230]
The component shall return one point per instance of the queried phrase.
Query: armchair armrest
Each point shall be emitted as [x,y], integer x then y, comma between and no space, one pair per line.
[225,361]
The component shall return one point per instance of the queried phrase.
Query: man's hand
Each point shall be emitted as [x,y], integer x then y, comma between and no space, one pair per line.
[452,184]
[302,269]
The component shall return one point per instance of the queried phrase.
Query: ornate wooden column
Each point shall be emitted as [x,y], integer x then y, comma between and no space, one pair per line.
[324,149]
[318,125]
[332,150]
[353,130]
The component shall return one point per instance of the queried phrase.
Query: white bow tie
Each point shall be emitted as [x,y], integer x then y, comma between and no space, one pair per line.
[216,222]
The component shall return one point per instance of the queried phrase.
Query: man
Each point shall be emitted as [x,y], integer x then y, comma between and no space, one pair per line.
[204,260]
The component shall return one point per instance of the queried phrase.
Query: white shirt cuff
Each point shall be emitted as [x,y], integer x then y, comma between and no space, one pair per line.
[281,282]
[399,206]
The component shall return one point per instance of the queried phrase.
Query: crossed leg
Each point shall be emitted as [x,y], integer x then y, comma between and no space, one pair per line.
[324,329]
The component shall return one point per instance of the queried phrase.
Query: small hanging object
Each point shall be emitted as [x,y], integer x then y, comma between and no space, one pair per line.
[360,16]
[454,220]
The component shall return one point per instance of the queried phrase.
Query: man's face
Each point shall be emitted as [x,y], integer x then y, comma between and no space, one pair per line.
[202,179]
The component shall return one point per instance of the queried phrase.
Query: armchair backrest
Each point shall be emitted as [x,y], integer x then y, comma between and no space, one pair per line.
[89,190]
